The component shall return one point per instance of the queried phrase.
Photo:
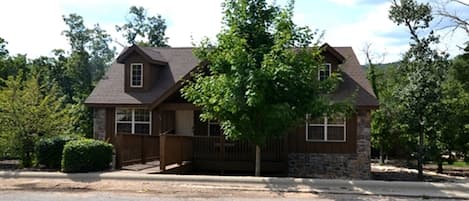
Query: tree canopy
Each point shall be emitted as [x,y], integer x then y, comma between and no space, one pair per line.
[144,30]
[261,75]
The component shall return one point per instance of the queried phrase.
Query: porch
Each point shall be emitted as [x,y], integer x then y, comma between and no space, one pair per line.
[179,153]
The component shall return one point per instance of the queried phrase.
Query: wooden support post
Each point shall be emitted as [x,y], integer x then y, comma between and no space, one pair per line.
[162,153]
[142,151]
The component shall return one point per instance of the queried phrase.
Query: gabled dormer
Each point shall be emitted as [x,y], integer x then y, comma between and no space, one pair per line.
[332,60]
[141,67]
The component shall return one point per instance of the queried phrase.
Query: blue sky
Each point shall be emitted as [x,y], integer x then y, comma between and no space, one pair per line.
[34,27]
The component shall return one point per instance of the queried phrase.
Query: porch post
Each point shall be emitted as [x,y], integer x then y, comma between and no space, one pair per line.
[162,152]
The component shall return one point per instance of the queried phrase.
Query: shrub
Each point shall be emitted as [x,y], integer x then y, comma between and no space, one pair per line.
[49,150]
[86,155]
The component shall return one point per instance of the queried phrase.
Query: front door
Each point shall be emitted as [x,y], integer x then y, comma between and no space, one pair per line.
[184,122]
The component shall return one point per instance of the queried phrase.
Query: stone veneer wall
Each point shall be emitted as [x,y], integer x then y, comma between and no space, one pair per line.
[323,165]
[99,123]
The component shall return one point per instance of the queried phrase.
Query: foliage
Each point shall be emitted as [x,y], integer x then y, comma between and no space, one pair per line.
[28,112]
[86,155]
[3,49]
[49,150]
[455,121]
[150,29]
[425,70]
[386,130]
[90,57]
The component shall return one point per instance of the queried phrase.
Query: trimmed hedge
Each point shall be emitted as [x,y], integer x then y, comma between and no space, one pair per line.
[86,155]
[49,150]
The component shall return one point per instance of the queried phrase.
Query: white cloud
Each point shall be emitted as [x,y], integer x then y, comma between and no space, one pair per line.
[372,28]
[32,27]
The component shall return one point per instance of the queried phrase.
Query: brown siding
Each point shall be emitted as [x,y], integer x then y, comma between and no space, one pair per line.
[149,73]
[200,127]
[155,122]
[297,141]
[110,123]
[168,122]
[329,58]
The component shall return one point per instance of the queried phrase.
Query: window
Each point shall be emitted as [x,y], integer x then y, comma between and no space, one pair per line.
[324,72]
[133,121]
[136,75]
[214,128]
[326,129]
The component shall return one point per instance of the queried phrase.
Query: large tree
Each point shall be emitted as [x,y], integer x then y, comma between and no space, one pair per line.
[425,69]
[144,30]
[261,76]
[30,110]
[89,58]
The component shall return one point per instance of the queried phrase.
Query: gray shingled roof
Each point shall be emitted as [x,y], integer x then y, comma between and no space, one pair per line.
[110,89]
[355,80]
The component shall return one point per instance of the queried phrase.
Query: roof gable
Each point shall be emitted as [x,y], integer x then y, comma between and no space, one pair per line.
[149,54]
[326,47]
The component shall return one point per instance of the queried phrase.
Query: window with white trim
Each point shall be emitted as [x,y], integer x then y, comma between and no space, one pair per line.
[214,128]
[136,75]
[324,72]
[133,121]
[326,129]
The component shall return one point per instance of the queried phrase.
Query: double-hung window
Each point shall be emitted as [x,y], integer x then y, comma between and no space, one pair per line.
[136,75]
[133,121]
[326,129]
[324,72]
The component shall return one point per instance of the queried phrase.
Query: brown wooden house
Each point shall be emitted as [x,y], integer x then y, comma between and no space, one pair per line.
[138,108]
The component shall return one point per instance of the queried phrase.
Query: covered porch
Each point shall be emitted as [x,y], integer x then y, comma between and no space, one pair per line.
[180,140]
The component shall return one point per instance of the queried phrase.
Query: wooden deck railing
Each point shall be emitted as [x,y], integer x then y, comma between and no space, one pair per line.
[216,148]
[136,148]
[174,149]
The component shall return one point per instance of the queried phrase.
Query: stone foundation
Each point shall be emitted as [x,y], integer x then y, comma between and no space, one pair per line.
[99,123]
[323,165]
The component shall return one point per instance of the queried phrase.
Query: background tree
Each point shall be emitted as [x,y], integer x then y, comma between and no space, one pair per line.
[425,70]
[3,49]
[455,20]
[29,111]
[89,58]
[455,123]
[144,30]
[260,78]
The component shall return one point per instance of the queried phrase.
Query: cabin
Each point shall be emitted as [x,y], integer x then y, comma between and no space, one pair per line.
[139,109]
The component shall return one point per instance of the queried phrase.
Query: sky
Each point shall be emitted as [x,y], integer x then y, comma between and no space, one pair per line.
[34,27]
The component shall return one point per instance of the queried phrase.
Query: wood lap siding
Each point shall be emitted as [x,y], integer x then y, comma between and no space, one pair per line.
[149,73]
[297,141]
[168,122]
[110,124]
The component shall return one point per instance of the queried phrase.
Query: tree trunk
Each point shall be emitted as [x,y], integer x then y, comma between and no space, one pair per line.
[420,156]
[440,166]
[258,161]
[381,155]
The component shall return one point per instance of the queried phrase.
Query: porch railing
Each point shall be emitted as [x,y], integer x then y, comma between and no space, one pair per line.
[136,148]
[217,148]
[174,149]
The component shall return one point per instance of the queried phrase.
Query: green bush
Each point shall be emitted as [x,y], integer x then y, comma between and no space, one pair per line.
[86,155]
[49,150]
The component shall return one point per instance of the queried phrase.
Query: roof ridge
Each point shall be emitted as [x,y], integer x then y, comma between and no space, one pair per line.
[171,47]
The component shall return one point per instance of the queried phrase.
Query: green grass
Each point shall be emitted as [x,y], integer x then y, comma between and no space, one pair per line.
[457,164]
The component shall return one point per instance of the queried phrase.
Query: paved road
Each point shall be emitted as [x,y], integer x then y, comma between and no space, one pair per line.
[116,196]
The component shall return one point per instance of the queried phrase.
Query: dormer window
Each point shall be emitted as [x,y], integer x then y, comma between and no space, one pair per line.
[324,72]
[136,75]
